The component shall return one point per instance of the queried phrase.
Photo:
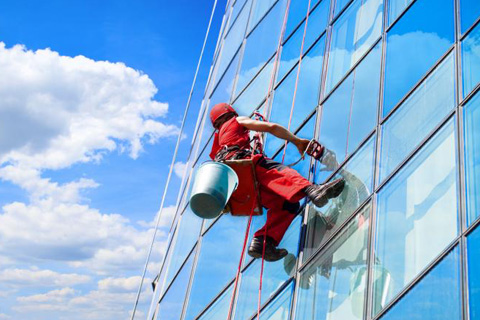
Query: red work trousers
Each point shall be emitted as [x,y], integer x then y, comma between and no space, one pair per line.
[281,189]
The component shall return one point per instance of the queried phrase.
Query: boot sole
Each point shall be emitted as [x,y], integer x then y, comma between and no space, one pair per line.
[332,191]
[258,255]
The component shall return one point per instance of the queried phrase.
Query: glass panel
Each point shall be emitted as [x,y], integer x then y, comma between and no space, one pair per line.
[308,89]
[333,286]
[279,309]
[260,7]
[323,222]
[472,158]
[471,60]
[317,22]
[290,53]
[219,310]
[254,94]
[470,11]
[274,274]
[414,44]
[418,116]
[350,113]
[187,234]
[170,308]
[417,215]
[473,249]
[436,297]
[261,44]
[395,8]
[217,262]
[236,9]
[339,5]
[296,13]
[353,34]
[233,39]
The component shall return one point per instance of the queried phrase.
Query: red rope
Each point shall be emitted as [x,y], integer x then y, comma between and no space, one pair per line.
[298,76]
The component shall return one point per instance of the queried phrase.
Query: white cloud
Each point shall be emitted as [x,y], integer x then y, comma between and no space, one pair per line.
[179,169]
[3,316]
[59,295]
[26,277]
[167,215]
[57,110]
[121,284]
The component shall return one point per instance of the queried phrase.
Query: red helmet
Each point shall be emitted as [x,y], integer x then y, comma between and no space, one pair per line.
[219,110]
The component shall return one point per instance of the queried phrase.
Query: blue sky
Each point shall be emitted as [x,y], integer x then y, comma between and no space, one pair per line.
[92,100]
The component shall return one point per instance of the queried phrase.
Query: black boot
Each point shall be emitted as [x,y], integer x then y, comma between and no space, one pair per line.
[320,193]
[272,253]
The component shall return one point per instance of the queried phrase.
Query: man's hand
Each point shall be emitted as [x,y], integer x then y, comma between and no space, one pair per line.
[302,145]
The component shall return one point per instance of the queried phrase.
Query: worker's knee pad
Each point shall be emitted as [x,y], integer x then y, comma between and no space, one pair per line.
[292,207]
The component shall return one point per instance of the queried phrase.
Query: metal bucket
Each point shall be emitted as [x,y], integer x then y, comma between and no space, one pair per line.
[213,185]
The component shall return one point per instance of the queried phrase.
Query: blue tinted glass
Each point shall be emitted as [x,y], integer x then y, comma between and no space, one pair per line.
[395,8]
[260,7]
[236,10]
[365,94]
[217,262]
[358,173]
[185,238]
[471,60]
[308,88]
[353,34]
[473,249]
[281,108]
[219,310]
[290,53]
[436,297]
[255,93]
[470,11]
[333,285]
[414,44]
[233,39]
[296,13]
[418,116]
[279,309]
[417,216]
[317,22]
[339,5]
[170,308]
[472,157]
[274,274]
[261,44]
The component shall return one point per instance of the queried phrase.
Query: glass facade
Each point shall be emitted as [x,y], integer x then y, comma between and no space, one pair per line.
[391,88]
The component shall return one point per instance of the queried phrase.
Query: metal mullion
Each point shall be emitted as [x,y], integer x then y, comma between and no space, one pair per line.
[278,291]
[416,150]
[419,277]
[467,32]
[470,95]
[418,83]
[353,67]
[394,22]
[368,307]
[464,287]
[328,242]
[341,12]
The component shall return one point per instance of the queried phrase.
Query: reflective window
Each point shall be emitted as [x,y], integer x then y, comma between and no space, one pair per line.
[260,7]
[220,253]
[395,8]
[219,310]
[333,286]
[185,238]
[339,5]
[471,60]
[233,39]
[417,216]
[353,34]
[473,249]
[350,113]
[418,116]
[279,309]
[358,173]
[472,158]
[436,297]
[290,53]
[414,44]
[236,10]
[296,13]
[470,11]
[261,44]
[171,306]
[317,22]
[274,274]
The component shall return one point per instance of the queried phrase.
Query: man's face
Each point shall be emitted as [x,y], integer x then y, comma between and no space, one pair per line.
[218,123]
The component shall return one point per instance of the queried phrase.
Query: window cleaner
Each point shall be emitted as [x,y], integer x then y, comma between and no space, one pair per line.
[280,188]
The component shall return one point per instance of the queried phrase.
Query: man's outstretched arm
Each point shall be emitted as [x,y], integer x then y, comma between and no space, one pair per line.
[274,129]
